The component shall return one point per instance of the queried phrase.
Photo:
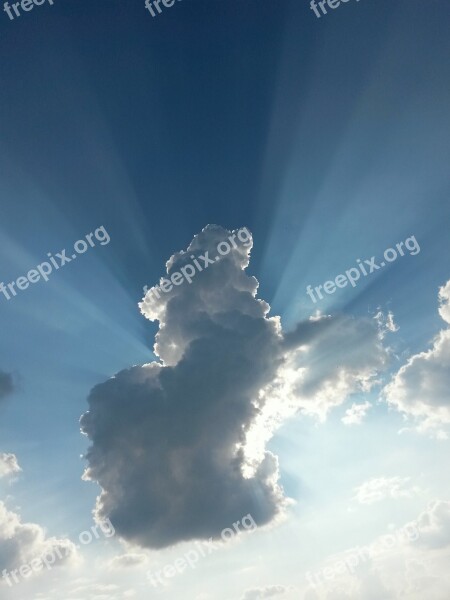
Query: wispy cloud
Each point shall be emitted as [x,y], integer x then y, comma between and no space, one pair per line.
[377,489]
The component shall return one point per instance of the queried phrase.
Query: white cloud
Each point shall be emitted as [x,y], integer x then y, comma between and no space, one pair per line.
[335,357]
[267,592]
[356,413]
[444,299]
[20,543]
[8,465]
[326,360]
[386,322]
[420,389]
[375,490]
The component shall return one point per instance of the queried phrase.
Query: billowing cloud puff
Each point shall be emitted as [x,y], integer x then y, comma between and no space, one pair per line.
[178,446]
[421,388]
[21,543]
[6,384]
[356,413]
[8,465]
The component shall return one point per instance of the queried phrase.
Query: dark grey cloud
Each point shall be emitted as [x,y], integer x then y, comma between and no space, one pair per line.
[170,439]
[6,384]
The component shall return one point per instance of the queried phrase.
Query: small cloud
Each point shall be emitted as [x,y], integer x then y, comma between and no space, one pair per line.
[444,300]
[8,465]
[267,592]
[375,490]
[127,561]
[386,322]
[356,413]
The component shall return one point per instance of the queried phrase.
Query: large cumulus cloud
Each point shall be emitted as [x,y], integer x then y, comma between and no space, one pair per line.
[178,445]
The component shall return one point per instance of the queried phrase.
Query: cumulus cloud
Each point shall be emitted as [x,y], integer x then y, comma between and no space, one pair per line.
[356,413]
[20,543]
[267,592]
[410,562]
[420,389]
[6,384]
[178,445]
[375,490]
[8,465]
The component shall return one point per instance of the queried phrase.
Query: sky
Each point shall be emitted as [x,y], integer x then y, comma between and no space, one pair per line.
[241,389]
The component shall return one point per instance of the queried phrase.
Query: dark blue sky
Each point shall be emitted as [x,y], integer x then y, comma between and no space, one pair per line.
[207,113]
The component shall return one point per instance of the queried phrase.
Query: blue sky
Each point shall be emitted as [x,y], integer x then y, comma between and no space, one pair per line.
[328,139]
